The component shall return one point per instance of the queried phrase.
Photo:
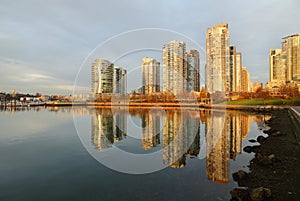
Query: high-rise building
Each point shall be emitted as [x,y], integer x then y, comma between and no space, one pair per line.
[238,72]
[232,69]
[119,80]
[291,46]
[102,76]
[235,70]
[217,58]
[278,70]
[246,82]
[174,67]
[150,76]
[124,81]
[193,70]
[107,78]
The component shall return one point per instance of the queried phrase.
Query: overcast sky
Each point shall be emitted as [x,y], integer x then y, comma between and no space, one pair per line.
[43,43]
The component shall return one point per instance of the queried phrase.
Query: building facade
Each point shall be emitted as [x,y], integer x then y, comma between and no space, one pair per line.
[246,82]
[102,76]
[119,80]
[193,70]
[278,68]
[107,78]
[174,67]
[217,59]
[291,46]
[150,76]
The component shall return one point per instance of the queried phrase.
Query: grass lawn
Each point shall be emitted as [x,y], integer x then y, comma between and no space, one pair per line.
[295,101]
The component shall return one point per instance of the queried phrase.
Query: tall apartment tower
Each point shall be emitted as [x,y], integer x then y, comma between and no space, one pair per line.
[174,67]
[246,82]
[217,58]
[107,78]
[150,76]
[235,70]
[238,71]
[278,68]
[291,46]
[193,70]
[102,76]
[119,80]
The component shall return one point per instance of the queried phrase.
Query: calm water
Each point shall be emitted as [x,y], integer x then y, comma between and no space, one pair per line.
[65,154]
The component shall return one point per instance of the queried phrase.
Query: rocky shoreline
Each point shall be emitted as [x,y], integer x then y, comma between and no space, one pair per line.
[275,169]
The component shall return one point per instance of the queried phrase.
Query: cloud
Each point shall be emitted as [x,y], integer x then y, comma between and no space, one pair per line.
[52,38]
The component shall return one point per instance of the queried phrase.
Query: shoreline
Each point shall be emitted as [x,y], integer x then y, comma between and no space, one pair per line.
[176,105]
[275,169]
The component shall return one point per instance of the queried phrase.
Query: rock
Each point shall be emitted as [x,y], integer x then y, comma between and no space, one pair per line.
[271,157]
[260,194]
[266,161]
[252,141]
[240,175]
[248,149]
[261,139]
[277,134]
[240,194]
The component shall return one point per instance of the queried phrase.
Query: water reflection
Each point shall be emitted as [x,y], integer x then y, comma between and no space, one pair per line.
[178,134]
[107,128]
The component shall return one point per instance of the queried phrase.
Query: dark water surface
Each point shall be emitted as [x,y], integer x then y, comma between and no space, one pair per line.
[42,156]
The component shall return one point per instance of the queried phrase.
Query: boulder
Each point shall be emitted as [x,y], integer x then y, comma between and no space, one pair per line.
[248,149]
[261,139]
[240,175]
[240,194]
[260,194]
[252,140]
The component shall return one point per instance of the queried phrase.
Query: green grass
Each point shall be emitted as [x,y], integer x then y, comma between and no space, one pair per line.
[295,101]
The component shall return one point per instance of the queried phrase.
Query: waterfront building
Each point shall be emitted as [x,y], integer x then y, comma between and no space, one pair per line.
[278,68]
[193,70]
[119,80]
[107,78]
[235,70]
[291,46]
[102,76]
[174,67]
[246,83]
[150,76]
[217,59]
[238,72]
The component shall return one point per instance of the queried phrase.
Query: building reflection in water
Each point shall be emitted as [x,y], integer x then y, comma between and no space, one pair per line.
[180,133]
[181,137]
[107,128]
[150,129]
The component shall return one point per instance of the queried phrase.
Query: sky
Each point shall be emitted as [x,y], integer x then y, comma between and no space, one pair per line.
[47,46]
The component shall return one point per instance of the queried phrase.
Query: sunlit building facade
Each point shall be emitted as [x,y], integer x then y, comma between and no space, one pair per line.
[150,76]
[235,70]
[102,76]
[217,59]
[174,67]
[119,80]
[193,70]
[291,46]
[278,67]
